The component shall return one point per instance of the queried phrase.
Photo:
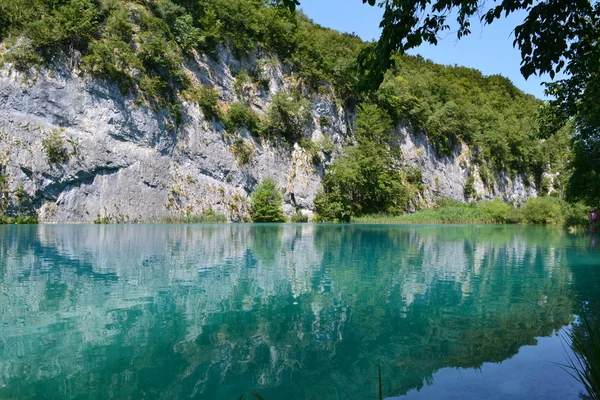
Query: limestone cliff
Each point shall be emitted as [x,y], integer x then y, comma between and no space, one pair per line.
[127,162]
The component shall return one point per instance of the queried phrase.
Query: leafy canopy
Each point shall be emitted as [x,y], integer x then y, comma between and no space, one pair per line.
[266,203]
[365,179]
[556,35]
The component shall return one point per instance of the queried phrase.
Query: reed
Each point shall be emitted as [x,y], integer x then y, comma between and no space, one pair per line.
[584,364]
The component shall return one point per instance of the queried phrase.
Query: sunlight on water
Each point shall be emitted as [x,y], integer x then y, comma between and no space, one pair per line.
[289,311]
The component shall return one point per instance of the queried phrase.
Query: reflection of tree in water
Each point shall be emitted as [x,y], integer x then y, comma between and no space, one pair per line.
[266,243]
[292,312]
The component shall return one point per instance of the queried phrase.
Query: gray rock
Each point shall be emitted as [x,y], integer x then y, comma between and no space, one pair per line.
[129,163]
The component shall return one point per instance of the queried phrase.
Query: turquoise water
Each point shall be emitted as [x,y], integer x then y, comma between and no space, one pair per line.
[289,311]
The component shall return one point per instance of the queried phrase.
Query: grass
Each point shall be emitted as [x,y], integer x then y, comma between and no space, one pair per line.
[584,365]
[447,215]
[203,218]
[20,220]
[543,210]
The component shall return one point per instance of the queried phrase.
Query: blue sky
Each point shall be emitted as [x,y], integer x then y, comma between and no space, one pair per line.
[488,48]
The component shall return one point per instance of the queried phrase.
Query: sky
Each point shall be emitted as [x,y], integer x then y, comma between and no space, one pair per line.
[489,48]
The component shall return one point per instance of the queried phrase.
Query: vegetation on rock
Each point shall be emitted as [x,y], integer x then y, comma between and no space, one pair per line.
[143,45]
[54,148]
[287,116]
[555,36]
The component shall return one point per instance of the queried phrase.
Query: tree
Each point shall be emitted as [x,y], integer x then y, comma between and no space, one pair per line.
[266,204]
[556,35]
[551,36]
[366,178]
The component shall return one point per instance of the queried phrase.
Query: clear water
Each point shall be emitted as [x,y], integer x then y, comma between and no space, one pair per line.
[289,311]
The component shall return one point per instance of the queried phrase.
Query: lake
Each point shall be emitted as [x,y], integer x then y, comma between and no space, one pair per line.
[290,311]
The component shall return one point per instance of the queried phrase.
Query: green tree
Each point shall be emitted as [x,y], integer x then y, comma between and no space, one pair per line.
[287,116]
[557,35]
[241,116]
[266,203]
[365,179]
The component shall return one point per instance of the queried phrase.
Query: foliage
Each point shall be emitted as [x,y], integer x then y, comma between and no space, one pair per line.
[54,148]
[24,215]
[242,151]
[242,79]
[544,210]
[4,191]
[365,178]
[469,189]
[207,98]
[313,149]
[287,116]
[240,116]
[127,41]
[498,211]
[324,121]
[576,216]
[299,217]
[141,45]
[584,365]
[541,210]
[18,220]
[555,36]
[266,204]
[584,182]
[207,216]
[453,104]
[143,54]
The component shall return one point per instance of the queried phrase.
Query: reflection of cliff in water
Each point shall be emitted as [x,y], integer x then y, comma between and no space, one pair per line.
[290,311]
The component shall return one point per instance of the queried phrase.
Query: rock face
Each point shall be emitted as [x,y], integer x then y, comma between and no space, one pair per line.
[449,176]
[127,162]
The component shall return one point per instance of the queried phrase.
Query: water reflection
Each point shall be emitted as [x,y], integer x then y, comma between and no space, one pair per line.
[294,311]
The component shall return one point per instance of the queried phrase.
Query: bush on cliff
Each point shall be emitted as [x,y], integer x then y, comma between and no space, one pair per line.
[287,116]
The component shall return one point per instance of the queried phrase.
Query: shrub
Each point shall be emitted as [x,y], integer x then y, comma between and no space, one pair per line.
[206,98]
[576,216]
[112,59]
[299,217]
[25,220]
[241,116]
[287,116]
[469,189]
[266,204]
[324,121]
[188,36]
[414,177]
[544,210]
[243,151]
[54,147]
[545,185]
[207,216]
[19,220]
[498,211]
[242,79]
[365,179]
[22,55]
